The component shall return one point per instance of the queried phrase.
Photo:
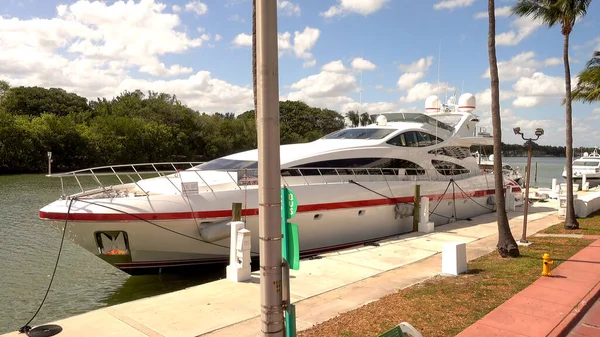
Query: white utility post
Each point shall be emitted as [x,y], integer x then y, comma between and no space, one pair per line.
[269,167]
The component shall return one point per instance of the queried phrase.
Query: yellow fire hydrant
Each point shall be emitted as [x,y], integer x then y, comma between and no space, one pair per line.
[546,263]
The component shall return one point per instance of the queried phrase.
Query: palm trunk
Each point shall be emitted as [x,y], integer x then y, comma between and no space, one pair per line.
[507,246]
[570,220]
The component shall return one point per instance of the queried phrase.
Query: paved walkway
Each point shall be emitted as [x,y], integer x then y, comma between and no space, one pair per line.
[551,306]
[321,289]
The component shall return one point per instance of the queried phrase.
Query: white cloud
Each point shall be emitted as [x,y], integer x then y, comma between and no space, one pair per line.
[94,31]
[345,7]
[452,4]
[596,110]
[553,61]
[423,90]
[304,41]
[200,91]
[523,27]
[521,65]
[421,64]
[370,108]
[288,8]
[218,37]
[176,8]
[484,98]
[526,101]
[540,84]
[361,64]
[302,44]
[201,29]
[335,67]
[500,12]
[327,89]
[309,64]
[242,40]
[106,43]
[197,7]
[408,80]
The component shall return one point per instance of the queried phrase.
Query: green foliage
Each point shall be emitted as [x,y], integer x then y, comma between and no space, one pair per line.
[34,101]
[588,86]
[133,127]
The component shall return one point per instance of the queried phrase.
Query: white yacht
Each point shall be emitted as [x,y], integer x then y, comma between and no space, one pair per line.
[487,164]
[588,165]
[353,186]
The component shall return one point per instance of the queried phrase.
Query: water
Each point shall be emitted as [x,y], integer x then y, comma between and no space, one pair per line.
[83,282]
[547,168]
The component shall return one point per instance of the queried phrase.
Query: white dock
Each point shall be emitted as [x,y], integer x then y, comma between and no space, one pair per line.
[321,289]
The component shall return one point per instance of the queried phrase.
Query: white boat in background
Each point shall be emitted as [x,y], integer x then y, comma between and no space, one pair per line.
[487,164]
[352,186]
[588,165]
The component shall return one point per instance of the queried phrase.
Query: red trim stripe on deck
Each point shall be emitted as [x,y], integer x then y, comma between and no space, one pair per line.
[254,211]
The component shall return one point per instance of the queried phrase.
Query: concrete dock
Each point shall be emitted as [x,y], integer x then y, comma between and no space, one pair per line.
[321,289]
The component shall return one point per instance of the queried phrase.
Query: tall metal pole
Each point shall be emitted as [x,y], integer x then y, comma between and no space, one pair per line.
[526,206]
[269,202]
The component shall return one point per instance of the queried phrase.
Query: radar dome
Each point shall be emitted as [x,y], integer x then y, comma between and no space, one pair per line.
[433,104]
[466,103]
[381,120]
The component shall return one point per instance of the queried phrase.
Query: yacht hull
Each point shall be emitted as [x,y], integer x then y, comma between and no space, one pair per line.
[140,234]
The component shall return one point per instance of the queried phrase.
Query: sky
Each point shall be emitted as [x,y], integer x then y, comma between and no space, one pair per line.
[363,55]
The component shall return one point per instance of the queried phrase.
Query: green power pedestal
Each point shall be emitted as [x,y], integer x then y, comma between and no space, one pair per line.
[290,249]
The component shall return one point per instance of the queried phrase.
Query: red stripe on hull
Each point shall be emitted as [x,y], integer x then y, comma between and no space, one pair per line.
[254,211]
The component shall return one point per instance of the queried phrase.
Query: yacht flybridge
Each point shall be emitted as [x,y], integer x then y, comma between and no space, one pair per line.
[353,186]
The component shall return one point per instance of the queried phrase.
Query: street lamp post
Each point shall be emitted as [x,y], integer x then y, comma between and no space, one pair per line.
[538,132]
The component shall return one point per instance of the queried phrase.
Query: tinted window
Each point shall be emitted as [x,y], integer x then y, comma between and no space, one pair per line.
[359,133]
[228,164]
[447,168]
[458,152]
[414,139]
[379,165]
[585,163]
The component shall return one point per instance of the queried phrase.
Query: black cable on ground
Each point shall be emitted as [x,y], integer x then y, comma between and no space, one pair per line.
[155,224]
[48,330]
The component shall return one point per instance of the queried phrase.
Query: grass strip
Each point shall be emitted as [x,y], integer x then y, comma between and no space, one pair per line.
[444,306]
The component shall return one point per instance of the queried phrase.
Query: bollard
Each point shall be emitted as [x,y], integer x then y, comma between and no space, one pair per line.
[546,263]
[425,226]
[416,200]
[239,253]
[509,200]
[583,181]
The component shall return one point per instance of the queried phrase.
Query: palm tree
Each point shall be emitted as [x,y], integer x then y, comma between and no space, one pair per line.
[565,13]
[507,246]
[588,87]
[354,118]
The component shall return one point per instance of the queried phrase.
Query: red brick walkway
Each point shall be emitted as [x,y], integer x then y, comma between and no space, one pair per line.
[551,306]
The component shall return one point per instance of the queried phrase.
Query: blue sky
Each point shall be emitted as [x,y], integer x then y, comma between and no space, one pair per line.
[199,51]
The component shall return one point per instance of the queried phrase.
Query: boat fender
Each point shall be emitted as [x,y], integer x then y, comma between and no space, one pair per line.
[216,231]
[403,210]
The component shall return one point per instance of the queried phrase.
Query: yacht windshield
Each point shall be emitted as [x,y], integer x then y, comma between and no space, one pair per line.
[414,117]
[359,133]
[227,164]
[585,163]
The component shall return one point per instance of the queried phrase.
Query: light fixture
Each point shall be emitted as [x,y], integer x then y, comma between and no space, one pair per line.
[517,130]
[539,132]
